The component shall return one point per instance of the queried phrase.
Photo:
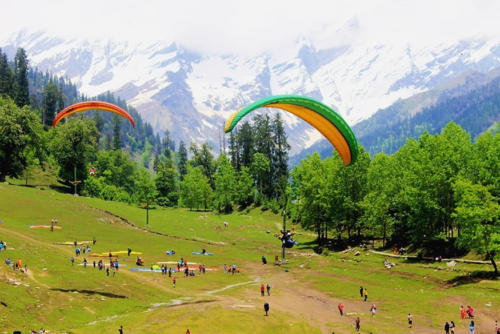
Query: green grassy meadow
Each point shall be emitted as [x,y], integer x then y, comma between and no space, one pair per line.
[62,298]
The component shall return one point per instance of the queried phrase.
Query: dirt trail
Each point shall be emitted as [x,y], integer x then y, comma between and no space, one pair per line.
[290,295]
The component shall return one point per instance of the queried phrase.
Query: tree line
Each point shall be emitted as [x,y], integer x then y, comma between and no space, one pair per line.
[437,189]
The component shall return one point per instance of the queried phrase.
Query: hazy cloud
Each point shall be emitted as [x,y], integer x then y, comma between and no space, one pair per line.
[255,26]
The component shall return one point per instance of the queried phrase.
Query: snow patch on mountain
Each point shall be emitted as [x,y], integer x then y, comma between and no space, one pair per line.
[192,94]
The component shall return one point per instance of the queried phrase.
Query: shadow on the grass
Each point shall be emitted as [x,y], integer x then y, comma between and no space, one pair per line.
[472,277]
[90,292]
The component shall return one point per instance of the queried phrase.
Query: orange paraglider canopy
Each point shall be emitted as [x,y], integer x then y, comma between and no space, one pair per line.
[89,105]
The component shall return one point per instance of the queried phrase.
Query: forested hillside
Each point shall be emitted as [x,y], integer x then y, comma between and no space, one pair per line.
[48,94]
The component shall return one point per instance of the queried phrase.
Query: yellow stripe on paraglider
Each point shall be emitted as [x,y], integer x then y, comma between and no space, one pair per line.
[320,123]
[230,120]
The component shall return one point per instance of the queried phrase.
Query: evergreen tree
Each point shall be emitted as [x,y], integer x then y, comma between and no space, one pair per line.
[6,77]
[246,144]
[279,156]
[21,91]
[264,145]
[51,100]
[182,162]
[117,142]
[204,158]
[234,149]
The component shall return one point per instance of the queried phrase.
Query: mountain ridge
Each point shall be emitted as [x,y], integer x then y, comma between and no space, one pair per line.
[191,94]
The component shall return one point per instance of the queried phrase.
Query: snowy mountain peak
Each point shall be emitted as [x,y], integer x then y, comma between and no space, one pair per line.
[191,94]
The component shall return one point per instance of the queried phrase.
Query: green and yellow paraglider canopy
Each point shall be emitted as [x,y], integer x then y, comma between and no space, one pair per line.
[320,116]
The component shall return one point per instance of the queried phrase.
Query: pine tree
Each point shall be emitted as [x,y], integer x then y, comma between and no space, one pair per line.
[51,97]
[182,164]
[246,144]
[234,149]
[21,90]
[280,155]
[117,142]
[264,145]
[6,77]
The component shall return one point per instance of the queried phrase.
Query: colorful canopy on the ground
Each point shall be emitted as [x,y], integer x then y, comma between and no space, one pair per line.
[90,105]
[321,117]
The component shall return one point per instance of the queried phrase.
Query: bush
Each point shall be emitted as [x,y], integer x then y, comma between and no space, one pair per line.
[108,192]
[92,187]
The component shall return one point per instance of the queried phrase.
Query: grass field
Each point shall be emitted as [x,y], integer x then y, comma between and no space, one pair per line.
[62,298]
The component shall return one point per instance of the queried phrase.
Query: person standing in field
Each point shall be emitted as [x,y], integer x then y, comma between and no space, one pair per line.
[120,330]
[361,291]
[358,325]
[365,294]
[447,328]
[173,281]
[341,309]
[452,327]
[262,290]
[266,308]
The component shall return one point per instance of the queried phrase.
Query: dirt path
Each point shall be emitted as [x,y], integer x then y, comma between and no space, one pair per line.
[290,295]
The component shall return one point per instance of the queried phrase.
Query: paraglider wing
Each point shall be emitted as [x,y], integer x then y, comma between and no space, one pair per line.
[324,119]
[89,105]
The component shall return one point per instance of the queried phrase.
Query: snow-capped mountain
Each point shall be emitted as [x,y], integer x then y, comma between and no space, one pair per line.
[192,94]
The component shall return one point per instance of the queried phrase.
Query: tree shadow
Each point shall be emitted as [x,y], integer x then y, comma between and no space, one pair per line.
[472,277]
[90,292]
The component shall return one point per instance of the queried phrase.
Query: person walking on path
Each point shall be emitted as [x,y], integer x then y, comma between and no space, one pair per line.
[462,312]
[341,309]
[365,294]
[72,261]
[472,327]
[452,327]
[268,288]
[447,328]
[373,309]
[410,321]
[264,261]
[262,290]
[496,327]
[266,308]
[358,325]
